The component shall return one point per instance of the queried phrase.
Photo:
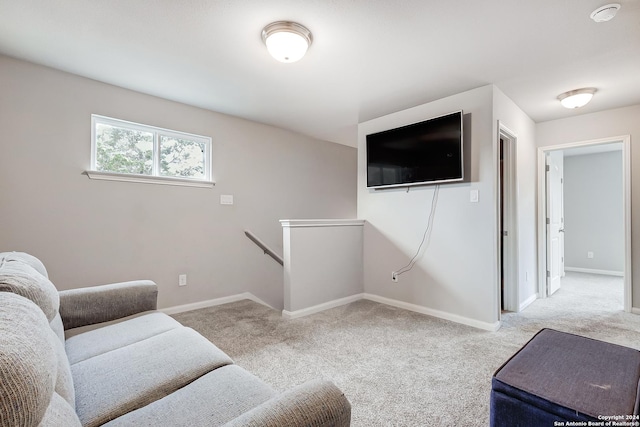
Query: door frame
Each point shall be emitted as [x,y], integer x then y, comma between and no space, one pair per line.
[549,225]
[626,202]
[510,257]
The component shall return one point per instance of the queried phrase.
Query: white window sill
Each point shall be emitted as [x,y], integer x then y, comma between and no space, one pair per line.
[145,179]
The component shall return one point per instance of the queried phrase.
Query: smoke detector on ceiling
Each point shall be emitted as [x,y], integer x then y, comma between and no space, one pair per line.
[605,13]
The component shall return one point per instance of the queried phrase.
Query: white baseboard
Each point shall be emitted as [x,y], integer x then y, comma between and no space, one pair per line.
[212,302]
[594,271]
[320,307]
[635,310]
[435,313]
[252,297]
[526,303]
[336,303]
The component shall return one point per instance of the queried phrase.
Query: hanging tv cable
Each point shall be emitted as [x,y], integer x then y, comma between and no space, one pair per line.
[425,238]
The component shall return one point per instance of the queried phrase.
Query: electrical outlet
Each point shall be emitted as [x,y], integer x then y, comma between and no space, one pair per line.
[590,255]
[394,276]
[182,280]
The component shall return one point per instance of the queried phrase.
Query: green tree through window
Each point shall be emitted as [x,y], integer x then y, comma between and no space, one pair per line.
[181,157]
[123,150]
[130,148]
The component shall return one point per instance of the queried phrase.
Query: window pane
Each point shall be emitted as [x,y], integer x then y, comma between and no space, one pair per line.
[123,150]
[181,157]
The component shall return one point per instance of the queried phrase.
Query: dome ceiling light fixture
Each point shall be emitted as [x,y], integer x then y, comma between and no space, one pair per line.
[577,98]
[286,41]
[605,13]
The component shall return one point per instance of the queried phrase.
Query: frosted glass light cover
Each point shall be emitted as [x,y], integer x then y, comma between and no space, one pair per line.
[286,47]
[577,98]
[576,101]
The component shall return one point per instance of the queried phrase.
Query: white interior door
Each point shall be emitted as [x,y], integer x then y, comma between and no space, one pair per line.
[555,228]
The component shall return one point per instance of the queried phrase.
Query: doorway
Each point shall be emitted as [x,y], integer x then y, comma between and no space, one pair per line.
[507,220]
[551,221]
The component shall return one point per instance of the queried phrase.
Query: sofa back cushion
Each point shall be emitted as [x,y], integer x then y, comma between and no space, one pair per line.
[20,278]
[28,364]
[27,259]
[58,327]
[60,414]
[64,380]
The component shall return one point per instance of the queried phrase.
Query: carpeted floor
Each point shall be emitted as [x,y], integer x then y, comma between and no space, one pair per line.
[400,368]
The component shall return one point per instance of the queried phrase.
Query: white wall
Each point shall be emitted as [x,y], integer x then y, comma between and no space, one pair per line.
[515,120]
[322,263]
[456,274]
[593,214]
[456,278]
[89,232]
[616,122]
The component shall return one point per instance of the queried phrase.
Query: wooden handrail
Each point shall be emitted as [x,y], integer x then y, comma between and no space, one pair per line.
[267,250]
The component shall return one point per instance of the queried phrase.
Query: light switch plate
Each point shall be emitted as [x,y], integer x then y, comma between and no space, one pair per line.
[226,199]
[474,197]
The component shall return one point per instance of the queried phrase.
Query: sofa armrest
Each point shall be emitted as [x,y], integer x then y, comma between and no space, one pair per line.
[312,404]
[97,304]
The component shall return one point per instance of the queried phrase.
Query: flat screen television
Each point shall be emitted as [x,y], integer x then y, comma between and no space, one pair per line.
[428,152]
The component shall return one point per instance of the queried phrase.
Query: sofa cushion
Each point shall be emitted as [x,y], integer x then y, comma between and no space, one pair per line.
[64,380]
[57,327]
[27,362]
[59,414]
[120,381]
[236,392]
[118,334]
[27,259]
[22,279]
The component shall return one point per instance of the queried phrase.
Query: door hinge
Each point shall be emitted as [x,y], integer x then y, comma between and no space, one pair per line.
[548,221]
[546,168]
[548,273]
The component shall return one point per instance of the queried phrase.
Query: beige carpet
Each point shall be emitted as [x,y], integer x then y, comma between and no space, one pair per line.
[400,368]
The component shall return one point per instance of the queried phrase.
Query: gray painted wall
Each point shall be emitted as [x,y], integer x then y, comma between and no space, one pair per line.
[90,232]
[456,277]
[509,115]
[605,124]
[593,211]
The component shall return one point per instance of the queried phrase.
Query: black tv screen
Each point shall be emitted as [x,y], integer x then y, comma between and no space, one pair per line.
[427,152]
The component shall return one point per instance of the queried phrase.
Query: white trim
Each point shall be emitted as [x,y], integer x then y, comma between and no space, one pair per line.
[254,298]
[626,185]
[492,327]
[595,271]
[212,302]
[158,132]
[510,257]
[526,303]
[148,179]
[321,307]
[293,223]
[337,303]
[394,303]
[626,188]
[541,223]
[635,310]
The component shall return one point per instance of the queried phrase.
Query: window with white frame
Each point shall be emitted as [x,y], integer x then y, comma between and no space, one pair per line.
[127,151]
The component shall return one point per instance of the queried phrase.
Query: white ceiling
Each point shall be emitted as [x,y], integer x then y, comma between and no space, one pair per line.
[368,58]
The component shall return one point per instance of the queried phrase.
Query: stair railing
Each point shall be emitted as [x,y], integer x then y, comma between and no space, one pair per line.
[267,250]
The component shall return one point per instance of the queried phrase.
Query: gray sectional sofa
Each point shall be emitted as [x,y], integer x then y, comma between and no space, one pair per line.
[104,356]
